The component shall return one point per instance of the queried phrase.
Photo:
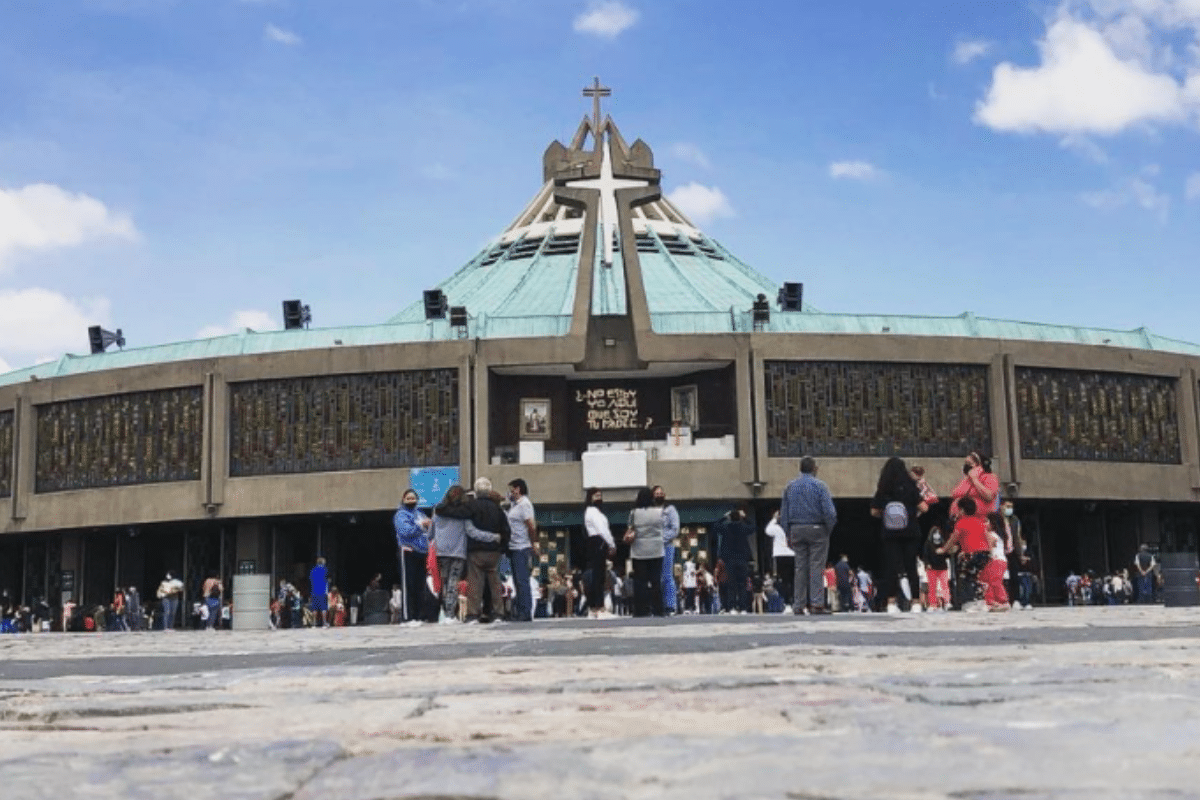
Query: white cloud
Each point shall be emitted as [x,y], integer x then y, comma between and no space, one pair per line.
[967,51]
[701,203]
[36,321]
[43,216]
[1083,146]
[274,34]
[240,320]
[686,151]
[1083,85]
[1192,188]
[1138,190]
[853,170]
[606,19]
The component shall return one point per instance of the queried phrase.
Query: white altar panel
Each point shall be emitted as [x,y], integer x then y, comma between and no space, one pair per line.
[614,469]
[532,452]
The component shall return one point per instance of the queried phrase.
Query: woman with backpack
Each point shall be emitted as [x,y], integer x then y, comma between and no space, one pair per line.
[897,504]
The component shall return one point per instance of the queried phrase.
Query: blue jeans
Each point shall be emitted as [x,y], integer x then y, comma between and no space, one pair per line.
[169,604]
[214,612]
[670,591]
[522,567]
[1145,588]
[1025,584]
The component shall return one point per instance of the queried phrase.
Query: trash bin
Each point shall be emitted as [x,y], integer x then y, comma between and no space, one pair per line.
[1179,579]
[251,602]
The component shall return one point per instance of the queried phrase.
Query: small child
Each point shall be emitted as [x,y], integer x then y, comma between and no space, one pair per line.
[993,573]
[463,589]
[927,495]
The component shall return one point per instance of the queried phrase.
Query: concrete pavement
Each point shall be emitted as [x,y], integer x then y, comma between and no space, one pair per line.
[1091,702]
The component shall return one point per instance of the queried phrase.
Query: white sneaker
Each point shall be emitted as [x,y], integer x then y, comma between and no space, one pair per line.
[916,608]
[787,609]
[974,607]
[892,608]
[413,623]
[1016,606]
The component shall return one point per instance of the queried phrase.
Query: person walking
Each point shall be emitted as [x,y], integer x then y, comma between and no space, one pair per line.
[645,538]
[413,530]
[521,549]
[600,547]
[897,504]
[211,594]
[808,514]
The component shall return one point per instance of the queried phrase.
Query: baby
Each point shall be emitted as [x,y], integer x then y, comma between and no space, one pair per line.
[927,495]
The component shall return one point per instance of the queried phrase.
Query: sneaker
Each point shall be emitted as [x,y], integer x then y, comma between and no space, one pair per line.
[916,608]
[413,623]
[974,607]
[1016,606]
[892,608]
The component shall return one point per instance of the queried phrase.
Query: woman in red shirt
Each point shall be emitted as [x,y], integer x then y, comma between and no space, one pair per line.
[979,484]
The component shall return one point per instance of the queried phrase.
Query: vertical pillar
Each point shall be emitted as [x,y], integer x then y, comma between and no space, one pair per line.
[483,444]
[1189,427]
[215,460]
[751,445]
[24,456]
[1002,448]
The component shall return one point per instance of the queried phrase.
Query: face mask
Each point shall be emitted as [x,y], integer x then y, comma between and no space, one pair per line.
[410,504]
[967,468]
[658,501]
[1008,512]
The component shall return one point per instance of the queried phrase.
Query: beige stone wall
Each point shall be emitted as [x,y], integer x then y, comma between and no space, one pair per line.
[220,497]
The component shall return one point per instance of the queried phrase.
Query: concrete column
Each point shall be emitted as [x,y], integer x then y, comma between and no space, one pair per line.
[483,445]
[748,380]
[1189,428]
[467,410]
[215,463]
[1002,445]
[251,539]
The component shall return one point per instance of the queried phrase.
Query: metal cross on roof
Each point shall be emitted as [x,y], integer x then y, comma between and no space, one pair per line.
[596,91]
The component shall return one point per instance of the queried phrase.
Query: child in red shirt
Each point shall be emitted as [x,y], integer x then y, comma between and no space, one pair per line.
[970,539]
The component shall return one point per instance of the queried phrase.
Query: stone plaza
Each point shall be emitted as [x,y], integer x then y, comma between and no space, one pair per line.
[1097,702]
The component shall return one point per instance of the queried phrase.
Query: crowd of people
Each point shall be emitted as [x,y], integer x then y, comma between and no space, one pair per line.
[472,558]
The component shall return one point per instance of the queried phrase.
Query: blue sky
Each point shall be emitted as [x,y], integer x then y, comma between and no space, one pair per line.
[178,167]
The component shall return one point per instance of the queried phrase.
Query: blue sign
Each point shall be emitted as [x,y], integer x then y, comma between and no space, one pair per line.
[431,483]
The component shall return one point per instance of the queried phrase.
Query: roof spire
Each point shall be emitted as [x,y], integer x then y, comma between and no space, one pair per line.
[596,91]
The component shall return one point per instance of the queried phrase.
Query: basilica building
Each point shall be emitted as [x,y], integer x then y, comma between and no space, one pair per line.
[601,339]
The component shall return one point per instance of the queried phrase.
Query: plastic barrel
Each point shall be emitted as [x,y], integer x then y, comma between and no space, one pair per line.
[1179,579]
[251,602]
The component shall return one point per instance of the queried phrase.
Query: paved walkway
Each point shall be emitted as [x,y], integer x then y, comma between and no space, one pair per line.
[1090,703]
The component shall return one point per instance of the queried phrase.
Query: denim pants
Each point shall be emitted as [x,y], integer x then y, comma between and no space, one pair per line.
[522,567]
[169,604]
[670,591]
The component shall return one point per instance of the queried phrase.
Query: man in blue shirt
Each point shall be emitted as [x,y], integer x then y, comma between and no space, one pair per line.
[808,516]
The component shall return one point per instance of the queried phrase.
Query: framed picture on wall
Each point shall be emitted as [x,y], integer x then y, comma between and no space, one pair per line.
[535,418]
[684,407]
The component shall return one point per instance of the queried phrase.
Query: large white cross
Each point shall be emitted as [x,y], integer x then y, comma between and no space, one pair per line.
[607,186]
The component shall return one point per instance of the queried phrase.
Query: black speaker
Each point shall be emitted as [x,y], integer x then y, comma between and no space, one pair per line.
[458,316]
[791,297]
[295,315]
[435,304]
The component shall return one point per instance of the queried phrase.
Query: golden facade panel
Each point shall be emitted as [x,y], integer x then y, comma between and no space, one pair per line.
[120,440]
[1097,416]
[840,408]
[6,453]
[344,422]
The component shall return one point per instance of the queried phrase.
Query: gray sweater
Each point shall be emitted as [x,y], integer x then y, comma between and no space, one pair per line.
[647,525]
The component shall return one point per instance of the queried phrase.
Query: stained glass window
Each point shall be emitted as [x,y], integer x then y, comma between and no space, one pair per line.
[344,422]
[6,453]
[142,437]
[859,408]
[1097,416]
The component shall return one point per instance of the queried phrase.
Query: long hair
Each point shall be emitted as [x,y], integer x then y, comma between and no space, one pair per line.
[454,495]
[645,497]
[997,522]
[589,496]
[894,476]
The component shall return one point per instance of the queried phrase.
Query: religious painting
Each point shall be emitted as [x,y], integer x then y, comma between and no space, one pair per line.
[535,418]
[685,409]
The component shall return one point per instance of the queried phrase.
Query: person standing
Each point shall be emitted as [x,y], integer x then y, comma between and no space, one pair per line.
[413,529]
[937,572]
[522,532]
[897,503]
[808,514]
[318,598]
[600,546]
[783,557]
[978,483]
[211,592]
[670,591]
[1143,564]
[845,583]
[645,538]
[169,592]
[450,542]
[1014,546]
[484,552]
[733,533]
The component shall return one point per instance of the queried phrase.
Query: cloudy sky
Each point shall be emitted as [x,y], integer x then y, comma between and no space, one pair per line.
[176,168]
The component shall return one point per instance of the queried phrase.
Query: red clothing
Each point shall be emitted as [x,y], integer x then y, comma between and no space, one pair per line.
[972,535]
[993,576]
[967,489]
[830,578]
[939,586]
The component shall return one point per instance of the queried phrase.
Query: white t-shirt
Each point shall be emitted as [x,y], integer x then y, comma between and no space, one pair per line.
[779,545]
[689,575]
[517,514]
[597,525]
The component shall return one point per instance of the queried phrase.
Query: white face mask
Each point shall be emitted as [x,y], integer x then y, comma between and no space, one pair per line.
[1008,512]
